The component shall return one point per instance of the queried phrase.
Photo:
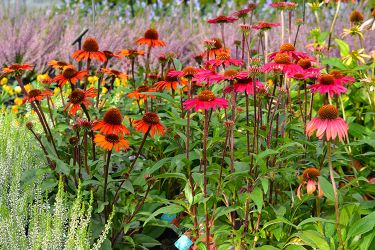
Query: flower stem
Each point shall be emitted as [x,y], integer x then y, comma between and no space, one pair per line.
[333,24]
[336,197]
[205,135]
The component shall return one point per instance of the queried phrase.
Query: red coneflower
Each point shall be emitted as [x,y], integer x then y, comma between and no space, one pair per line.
[150,38]
[149,121]
[243,84]
[89,51]
[113,72]
[139,92]
[85,124]
[310,180]
[214,47]
[131,53]
[109,54]
[69,74]
[282,62]
[17,68]
[326,84]
[169,82]
[309,70]
[205,101]
[36,95]
[265,26]
[229,75]
[284,5]
[111,123]
[290,50]
[222,19]
[58,64]
[340,78]
[79,97]
[111,141]
[244,12]
[187,72]
[328,124]
[223,58]
[208,76]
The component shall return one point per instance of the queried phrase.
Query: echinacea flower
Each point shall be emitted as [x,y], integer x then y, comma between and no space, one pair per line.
[169,82]
[150,121]
[70,74]
[310,180]
[188,72]
[326,84]
[85,124]
[36,95]
[89,51]
[114,73]
[111,123]
[18,69]
[151,38]
[263,26]
[79,97]
[131,53]
[222,19]
[244,12]
[109,54]
[356,17]
[139,93]
[283,5]
[290,50]
[282,62]
[340,78]
[111,141]
[328,124]
[369,24]
[58,64]
[205,101]
[216,47]
[223,58]
[308,70]
[245,84]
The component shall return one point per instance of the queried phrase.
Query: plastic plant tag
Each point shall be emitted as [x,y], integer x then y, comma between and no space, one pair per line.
[168,217]
[183,243]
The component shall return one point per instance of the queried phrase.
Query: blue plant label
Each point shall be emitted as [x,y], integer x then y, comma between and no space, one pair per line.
[168,217]
[183,243]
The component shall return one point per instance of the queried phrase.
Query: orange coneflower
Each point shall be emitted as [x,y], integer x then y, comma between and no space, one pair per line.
[214,48]
[115,73]
[169,82]
[111,123]
[17,68]
[138,93]
[150,38]
[69,74]
[90,50]
[79,97]
[36,95]
[111,141]
[150,121]
[109,54]
[58,64]
[131,53]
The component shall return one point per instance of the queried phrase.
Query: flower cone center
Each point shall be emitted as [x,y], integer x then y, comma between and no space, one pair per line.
[230,73]
[113,117]
[189,71]
[327,79]
[151,34]
[305,63]
[287,47]
[77,96]
[151,118]
[328,112]
[69,73]
[206,96]
[90,45]
[311,173]
[34,93]
[142,88]
[112,138]
[282,58]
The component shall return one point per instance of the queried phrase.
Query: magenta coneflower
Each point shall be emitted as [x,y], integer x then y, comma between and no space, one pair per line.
[282,62]
[245,84]
[283,5]
[340,78]
[223,59]
[205,101]
[187,72]
[309,70]
[203,75]
[244,12]
[222,19]
[328,124]
[290,50]
[326,84]
[265,26]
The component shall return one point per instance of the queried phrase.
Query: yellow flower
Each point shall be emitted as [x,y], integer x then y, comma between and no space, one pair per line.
[56,91]
[17,89]
[104,90]
[117,82]
[41,77]
[92,79]
[4,81]
[28,87]
[18,101]
[15,109]
[270,82]
[8,89]
[358,55]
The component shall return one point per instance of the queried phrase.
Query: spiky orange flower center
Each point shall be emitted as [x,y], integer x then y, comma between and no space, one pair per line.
[142,88]
[311,173]
[230,73]
[299,76]
[112,138]
[223,56]
[190,71]
[151,34]
[287,47]
[90,45]
[282,58]
[61,63]
[77,96]
[328,112]
[151,118]
[206,96]
[34,93]
[327,79]
[305,63]
[356,17]
[69,73]
[336,73]
[113,117]
[217,44]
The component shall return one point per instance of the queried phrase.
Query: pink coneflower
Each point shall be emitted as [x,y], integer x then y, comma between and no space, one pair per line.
[283,5]
[222,19]
[326,84]
[243,84]
[203,75]
[282,62]
[340,78]
[229,75]
[310,180]
[328,124]
[187,72]
[205,101]
[223,59]
[309,70]
[290,50]
[264,26]
[244,12]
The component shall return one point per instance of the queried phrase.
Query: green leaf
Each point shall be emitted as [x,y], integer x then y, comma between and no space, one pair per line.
[177,64]
[326,188]
[313,220]
[257,196]
[362,226]
[146,240]
[171,209]
[172,175]
[267,247]
[313,239]
[278,220]
[343,47]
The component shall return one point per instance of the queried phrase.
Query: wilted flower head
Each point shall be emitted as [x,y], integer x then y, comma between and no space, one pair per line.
[310,180]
